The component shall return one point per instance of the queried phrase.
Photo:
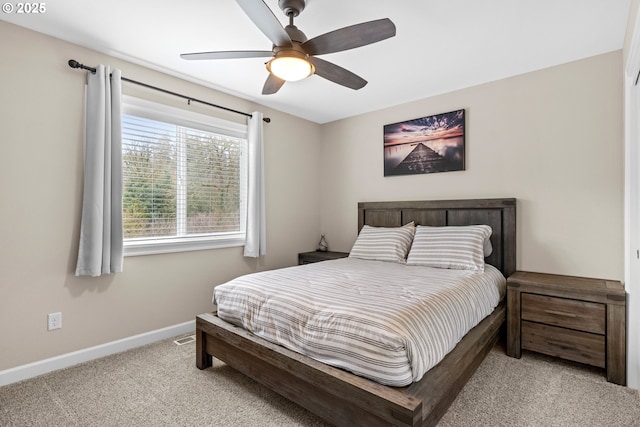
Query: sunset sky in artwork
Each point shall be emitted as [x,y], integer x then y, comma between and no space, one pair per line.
[441,126]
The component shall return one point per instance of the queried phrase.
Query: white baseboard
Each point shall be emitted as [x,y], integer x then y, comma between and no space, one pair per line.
[34,369]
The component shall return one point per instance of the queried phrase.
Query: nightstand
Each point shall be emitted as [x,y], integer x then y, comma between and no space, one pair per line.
[316,256]
[573,318]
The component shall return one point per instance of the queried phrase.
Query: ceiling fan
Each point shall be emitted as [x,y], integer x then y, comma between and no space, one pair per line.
[293,56]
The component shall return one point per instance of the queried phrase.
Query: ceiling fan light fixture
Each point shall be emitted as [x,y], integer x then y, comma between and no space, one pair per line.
[290,65]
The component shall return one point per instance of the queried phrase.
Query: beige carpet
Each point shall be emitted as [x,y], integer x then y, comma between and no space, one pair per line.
[159,385]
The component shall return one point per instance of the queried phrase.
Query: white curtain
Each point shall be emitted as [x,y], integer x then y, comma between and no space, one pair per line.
[255,244]
[101,235]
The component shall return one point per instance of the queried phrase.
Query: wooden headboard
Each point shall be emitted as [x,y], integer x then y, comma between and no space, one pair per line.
[500,214]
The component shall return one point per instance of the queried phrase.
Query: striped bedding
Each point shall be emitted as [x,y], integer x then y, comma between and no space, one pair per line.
[388,322]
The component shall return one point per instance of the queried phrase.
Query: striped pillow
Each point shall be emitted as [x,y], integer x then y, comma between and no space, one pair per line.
[383,243]
[458,248]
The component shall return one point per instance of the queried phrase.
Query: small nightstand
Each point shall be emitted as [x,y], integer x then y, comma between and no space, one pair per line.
[316,256]
[574,318]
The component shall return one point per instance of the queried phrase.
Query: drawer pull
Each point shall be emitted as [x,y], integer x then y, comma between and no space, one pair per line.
[561,313]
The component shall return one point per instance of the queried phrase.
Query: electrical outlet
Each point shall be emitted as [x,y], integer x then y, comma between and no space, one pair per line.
[54,321]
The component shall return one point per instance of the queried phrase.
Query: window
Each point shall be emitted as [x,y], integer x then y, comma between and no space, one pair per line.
[184,178]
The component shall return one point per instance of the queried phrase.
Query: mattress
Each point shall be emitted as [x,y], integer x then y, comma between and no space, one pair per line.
[385,321]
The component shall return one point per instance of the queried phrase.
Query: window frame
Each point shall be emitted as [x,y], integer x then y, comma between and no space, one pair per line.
[169,244]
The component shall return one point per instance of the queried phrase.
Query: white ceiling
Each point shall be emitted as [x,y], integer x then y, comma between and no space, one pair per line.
[440,45]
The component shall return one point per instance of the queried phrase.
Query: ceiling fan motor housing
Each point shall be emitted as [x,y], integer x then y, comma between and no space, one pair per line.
[295,34]
[291,7]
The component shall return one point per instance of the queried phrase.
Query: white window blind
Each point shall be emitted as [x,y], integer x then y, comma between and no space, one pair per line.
[184,179]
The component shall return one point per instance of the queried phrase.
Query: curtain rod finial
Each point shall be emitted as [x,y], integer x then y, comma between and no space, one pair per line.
[75,64]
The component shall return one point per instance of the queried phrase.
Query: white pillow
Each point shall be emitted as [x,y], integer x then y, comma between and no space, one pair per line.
[383,243]
[453,247]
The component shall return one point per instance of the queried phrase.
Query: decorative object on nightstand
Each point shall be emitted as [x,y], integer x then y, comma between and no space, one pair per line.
[574,318]
[322,245]
[317,256]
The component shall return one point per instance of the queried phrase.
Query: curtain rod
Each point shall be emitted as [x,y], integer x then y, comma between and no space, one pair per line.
[75,64]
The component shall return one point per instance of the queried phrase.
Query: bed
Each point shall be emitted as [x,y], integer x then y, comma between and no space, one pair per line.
[346,399]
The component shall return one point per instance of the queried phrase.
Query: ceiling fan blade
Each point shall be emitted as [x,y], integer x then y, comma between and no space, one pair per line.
[228,54]
[337,74]
[350,37]
[272,85]
[266,21]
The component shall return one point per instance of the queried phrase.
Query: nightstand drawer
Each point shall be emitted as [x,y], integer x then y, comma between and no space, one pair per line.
[578,346]
[581,315]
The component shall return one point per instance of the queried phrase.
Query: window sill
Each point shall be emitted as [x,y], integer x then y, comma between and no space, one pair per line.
[138,247]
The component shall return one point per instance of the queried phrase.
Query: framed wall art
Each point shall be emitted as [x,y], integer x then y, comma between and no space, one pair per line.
[426,145]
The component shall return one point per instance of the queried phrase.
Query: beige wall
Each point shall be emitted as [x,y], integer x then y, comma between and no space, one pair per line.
[552,138]
[40,191]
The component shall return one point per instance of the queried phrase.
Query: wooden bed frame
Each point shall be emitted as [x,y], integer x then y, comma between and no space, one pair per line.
[342,398]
